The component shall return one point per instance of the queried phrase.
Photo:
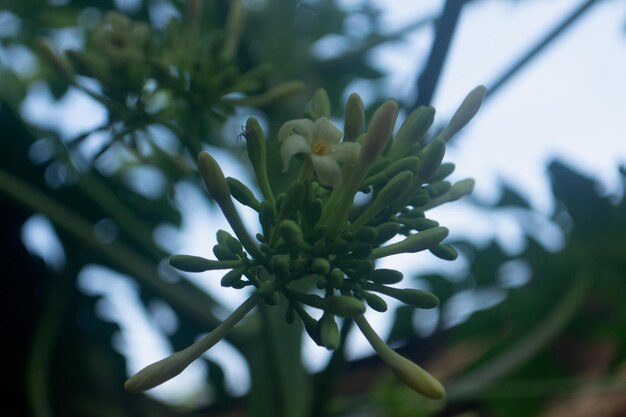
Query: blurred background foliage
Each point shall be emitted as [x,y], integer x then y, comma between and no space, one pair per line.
[538,333]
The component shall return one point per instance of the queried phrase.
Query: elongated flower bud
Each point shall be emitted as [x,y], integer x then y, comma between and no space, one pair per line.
[375,302]
[462,188]
[243,194]
[255,144]
[411,296]
[445,252]
[199,264]
[321,103]
[466,111]
[354,118]
[378,132]
[413,243]
[411,374]
[385,276]
[231,277]
[412,130]
[386,197]
[158,372]
[218,188]
[431,159]
[343,305]
[410,163]
[328,331]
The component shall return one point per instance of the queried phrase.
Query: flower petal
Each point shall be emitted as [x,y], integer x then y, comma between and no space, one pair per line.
[327,170]
[292,145]
[327,131]
[346,152]
[302,127]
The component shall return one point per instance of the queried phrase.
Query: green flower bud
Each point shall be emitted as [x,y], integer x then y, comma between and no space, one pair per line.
[343,305]
[199,264]
[420,198]
[378,132]
[413,243]
[266,216]
[234,245]
[232,276]
[320,266]
[385,276]
[412,130]
[292,234]
[223,253]
[338,247]
[354,118]
[243,194]
[466,111]
[222,236]
[363,267]
[385,198]
[255,144]
[335,278]
[461,189]
[417,378]
[438,188]
[218,188]
[419,224]
[386,231]
[445,252]
[328,332]
[431,159]
[375,302]
[367,234]
[281,267]
[321,103]
[411,296]
[413,214]
[411,374]
[294,196]
[214,179]
[158,373]
[409,163]
[442,172]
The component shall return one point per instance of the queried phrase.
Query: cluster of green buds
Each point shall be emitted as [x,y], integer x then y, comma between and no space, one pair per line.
[146,78]
[318,247]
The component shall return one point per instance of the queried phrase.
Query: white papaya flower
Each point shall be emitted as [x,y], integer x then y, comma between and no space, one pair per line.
[320,141]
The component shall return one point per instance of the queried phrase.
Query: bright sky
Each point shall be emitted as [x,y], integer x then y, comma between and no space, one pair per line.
[570,102]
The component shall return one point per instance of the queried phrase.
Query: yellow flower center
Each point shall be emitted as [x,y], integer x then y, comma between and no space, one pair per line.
[320,147]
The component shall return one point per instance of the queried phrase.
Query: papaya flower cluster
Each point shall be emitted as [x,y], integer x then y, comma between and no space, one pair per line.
[315,233]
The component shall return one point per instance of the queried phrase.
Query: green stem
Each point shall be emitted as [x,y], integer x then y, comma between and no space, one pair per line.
[46,334]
